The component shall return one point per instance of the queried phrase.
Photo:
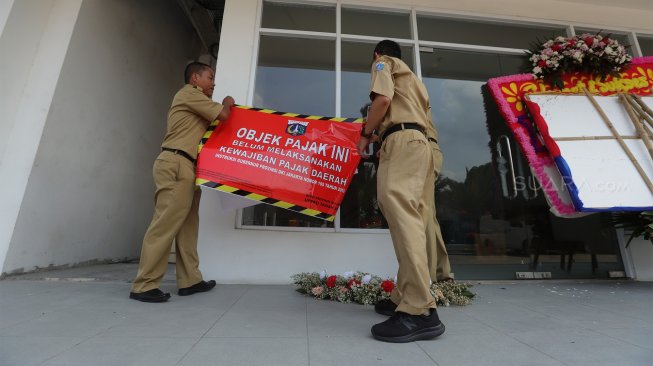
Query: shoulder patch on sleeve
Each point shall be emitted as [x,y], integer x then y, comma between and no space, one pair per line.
[379,66]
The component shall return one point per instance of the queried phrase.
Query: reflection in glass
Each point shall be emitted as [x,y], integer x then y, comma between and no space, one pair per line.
[483,217]
[645,44]
[316,18]
[375,23]
[476,32]
[293,75]
[296,75]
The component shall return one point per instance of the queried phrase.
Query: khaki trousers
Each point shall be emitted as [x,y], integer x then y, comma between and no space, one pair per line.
[406,176]
[176,216]
[438,258]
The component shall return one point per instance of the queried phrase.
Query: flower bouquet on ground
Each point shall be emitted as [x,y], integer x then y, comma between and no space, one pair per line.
[367,289]
[589,53]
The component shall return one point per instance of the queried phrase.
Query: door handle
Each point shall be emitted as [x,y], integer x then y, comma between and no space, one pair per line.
[501,159]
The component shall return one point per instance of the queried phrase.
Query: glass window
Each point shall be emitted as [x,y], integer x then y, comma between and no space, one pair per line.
[463,65]
[622,38]
[645,44]
[480,215]
[476,32]
[296,75]
[293,75]
[299,17]
[375,23]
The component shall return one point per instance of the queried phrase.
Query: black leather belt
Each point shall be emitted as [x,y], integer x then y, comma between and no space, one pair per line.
[401,127]
[179,152]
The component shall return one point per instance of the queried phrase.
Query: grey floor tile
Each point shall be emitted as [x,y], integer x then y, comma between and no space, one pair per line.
[33,349]
[164,320]
[273,296]
[363,351]
[588,316]
[342,322]
[585,347]
[247,352]
[642,337]
[513,318]
[487,349]
[261,322]
[111,351]
[73,322]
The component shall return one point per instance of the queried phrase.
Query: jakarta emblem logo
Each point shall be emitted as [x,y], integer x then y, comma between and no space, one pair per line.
[296,128]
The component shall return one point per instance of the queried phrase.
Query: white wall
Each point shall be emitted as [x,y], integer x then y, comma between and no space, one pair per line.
[240,256]
[90,191]
[33,43]
[5,9]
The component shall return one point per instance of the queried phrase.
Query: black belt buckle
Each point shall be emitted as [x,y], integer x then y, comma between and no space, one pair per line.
[179,152]
[400,127]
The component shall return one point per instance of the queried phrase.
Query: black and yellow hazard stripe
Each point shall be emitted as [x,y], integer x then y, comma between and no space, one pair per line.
[258,197]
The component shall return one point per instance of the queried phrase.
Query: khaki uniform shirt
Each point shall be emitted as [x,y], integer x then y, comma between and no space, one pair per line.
[189,116]
[392,78]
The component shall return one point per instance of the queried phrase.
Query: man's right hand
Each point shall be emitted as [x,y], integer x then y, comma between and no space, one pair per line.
[228,101]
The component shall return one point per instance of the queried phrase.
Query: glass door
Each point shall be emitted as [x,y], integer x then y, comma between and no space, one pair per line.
[494,218]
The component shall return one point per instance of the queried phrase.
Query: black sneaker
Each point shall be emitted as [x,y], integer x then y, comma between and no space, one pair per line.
[403,328]
[385,307]
[154,295]
[202,286]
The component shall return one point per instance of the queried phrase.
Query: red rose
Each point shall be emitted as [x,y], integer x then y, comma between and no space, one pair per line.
[331,281]
[556,47]
[571,43]
[387,285]
[353,282]
[541,63]
[589,41]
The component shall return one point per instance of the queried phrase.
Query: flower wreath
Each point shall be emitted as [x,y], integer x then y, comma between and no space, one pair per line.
[368,289]
[594,54]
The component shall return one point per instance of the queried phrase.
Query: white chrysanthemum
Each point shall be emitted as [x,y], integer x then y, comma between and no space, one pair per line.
[349,274]
[323,274]
[366,279]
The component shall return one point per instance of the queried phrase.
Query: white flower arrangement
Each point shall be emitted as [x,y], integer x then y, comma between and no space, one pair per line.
[593,54]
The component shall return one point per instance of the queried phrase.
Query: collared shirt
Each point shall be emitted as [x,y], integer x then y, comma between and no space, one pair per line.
[189,116]
[392,78]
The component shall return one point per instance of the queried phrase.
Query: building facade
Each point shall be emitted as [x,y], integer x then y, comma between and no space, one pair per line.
[88,90]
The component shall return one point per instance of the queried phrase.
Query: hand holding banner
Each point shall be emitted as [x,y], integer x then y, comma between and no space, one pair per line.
[297,162]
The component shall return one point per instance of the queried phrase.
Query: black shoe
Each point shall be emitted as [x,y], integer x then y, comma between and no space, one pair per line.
[385,307]
[402,328]
[154,295]
[202,286]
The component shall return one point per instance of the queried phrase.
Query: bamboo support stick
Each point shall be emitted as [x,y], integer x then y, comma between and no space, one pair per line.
[590,138]
[645,108]
[642,113]
[619,139]
[638,124]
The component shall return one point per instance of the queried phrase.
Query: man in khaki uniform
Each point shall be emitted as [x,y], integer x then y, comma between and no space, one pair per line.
[438,258]
[176,201]
[400,111]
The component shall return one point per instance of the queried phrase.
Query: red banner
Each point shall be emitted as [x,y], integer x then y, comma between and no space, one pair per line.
[298,162]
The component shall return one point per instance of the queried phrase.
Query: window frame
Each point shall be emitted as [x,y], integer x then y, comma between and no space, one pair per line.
[414,42]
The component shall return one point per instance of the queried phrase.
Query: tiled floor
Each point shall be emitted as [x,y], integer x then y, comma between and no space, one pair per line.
[72,319]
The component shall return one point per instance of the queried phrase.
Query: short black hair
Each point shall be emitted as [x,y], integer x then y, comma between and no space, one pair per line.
[388,48]
[194,67]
